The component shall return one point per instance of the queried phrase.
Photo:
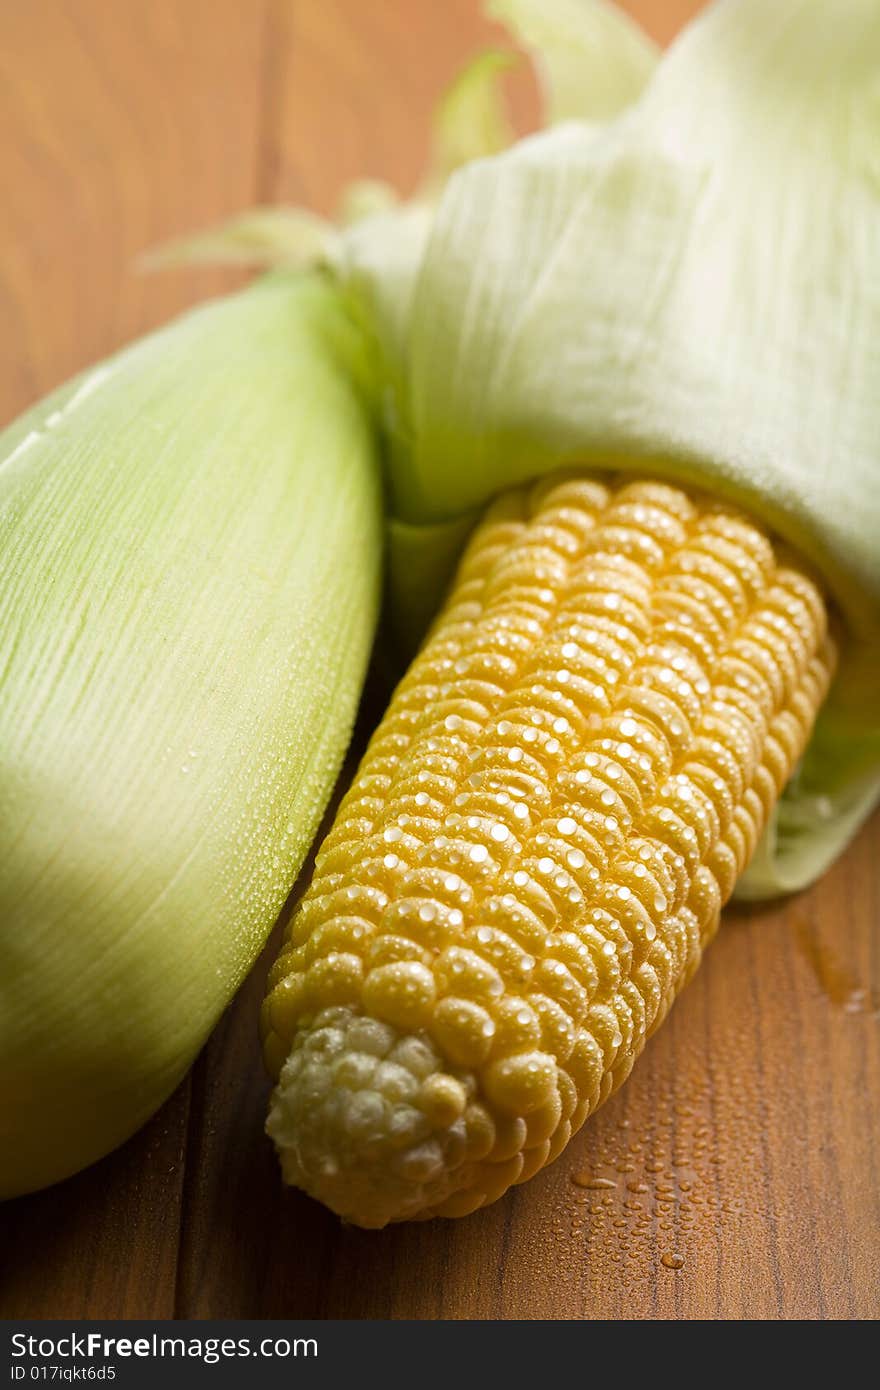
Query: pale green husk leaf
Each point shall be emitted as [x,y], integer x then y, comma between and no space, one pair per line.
[471,119]
[592,60]
[275,237]
[190,554]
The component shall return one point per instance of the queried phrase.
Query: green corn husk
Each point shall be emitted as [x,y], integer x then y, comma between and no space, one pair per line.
[190,552]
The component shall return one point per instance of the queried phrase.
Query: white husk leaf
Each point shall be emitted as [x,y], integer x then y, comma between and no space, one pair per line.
[592,59]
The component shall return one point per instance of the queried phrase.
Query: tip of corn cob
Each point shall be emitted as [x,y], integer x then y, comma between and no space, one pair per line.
[369,1121]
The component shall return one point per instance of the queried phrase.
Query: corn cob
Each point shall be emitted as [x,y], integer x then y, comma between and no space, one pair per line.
[538,843]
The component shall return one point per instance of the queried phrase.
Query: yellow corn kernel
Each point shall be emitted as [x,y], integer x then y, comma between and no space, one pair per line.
[539,841]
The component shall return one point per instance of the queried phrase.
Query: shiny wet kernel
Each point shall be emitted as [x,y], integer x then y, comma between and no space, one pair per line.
[536,849]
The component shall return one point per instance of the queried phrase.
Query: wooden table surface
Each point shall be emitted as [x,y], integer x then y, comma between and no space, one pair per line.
[738,1172]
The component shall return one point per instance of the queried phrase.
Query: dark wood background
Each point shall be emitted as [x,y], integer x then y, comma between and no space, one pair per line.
[736,1175]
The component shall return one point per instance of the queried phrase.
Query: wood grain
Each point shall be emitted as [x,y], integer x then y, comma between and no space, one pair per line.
[738,1172]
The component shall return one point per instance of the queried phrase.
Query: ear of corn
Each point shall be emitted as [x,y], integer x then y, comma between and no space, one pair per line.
[190,545]
[538,844]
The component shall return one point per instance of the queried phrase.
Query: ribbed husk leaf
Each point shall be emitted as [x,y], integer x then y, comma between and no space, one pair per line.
[190,553]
